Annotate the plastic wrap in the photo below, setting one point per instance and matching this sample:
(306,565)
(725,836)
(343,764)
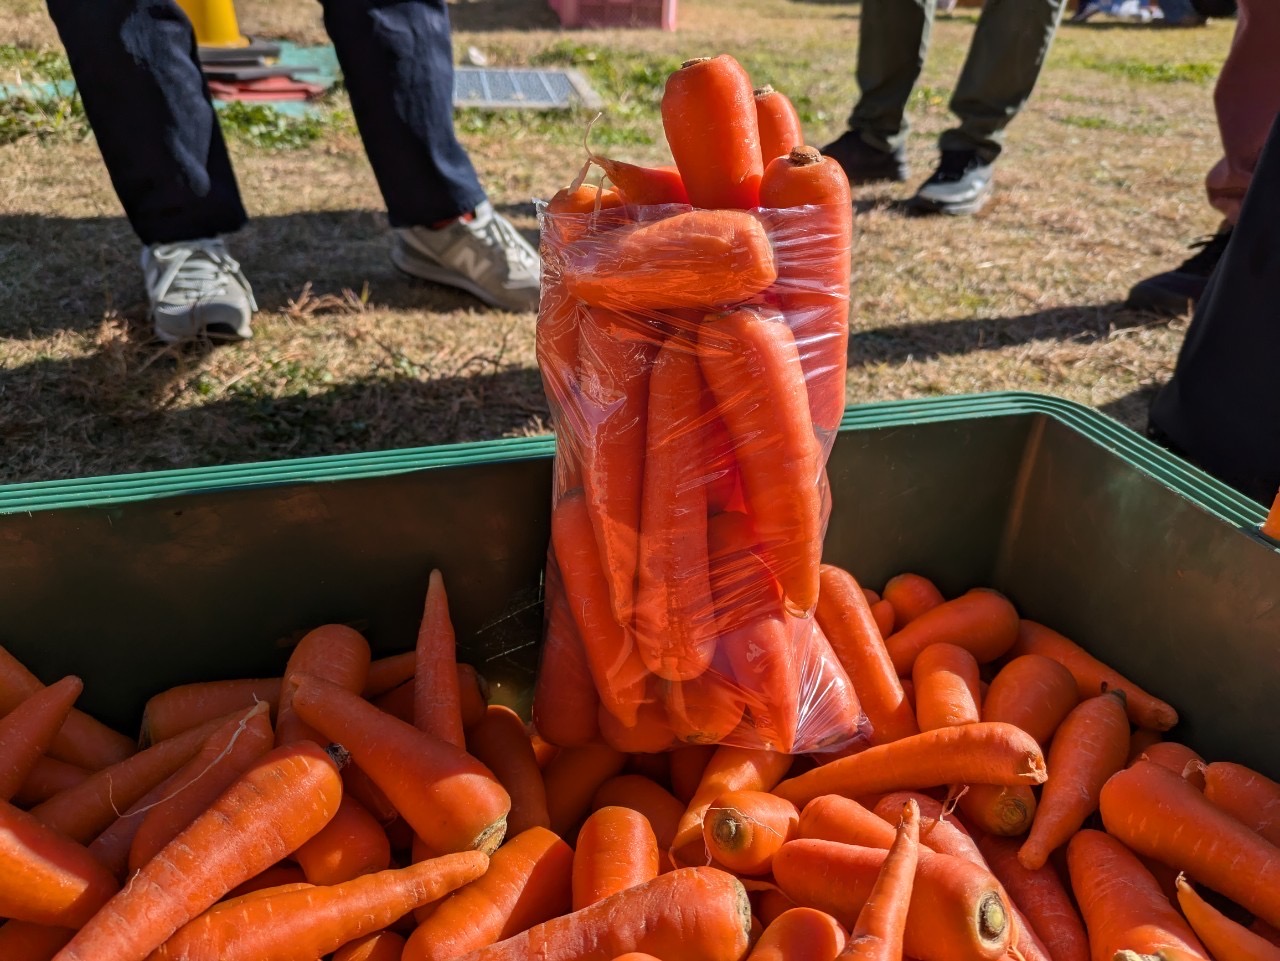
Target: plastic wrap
(694,361)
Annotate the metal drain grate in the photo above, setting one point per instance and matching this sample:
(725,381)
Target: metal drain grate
(521,88)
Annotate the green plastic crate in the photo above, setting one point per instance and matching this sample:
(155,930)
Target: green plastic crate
(139,582)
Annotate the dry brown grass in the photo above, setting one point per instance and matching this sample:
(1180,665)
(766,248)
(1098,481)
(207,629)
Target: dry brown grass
(1101,186)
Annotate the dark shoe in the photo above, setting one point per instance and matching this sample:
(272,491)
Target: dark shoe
(960,185)
(863,163)
(1179,290)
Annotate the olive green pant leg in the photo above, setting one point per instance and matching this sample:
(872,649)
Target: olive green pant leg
(1000,71)
(893,38)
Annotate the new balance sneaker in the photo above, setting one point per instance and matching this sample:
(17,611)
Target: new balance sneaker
(485,256)
(863,163)
(1177,291)
(197,290)
(960,185)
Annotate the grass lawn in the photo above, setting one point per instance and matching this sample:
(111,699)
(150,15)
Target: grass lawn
(1101,185)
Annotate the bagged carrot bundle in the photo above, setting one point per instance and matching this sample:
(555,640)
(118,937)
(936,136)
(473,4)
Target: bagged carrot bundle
(692,342)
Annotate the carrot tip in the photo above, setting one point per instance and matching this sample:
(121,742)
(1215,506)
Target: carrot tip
(804,157)
(339,755)
(763,91)
(694,62)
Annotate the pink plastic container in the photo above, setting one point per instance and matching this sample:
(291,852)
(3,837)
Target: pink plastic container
(650,14)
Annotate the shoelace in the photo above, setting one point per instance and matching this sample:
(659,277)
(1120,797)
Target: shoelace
(498,232)
(199,268)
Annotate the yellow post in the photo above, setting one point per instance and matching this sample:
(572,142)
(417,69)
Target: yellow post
(214,22)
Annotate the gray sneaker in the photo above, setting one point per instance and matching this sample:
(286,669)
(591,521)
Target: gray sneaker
(197,290)
(960,185)
(484,256)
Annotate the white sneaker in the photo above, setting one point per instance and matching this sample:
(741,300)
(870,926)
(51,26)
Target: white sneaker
(197,290)
(485,256)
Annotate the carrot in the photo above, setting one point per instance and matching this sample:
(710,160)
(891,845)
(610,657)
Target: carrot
(983,622)
(1157,813)
(778,123)
(276,876)
(1246,795)
(957,910)
(82,741)
(847,620)
(1090,674)
(1271,526)
(572,778)
(529,880)
(1090,746)
(910,596)
(643,185)
(46,878)
(769,904)
(27,731)
(616,850)
(778,453)
(659,807)
(1034,693)
(743,830)
(1040,895)
(565,701)
(1123,907)
(333,652)
(24,941)
(174,803)
(835,818)
(352,844)
(674,613)
(636,956)
(452,801)
(611,650)
(86,810)
(501,744)
(946,682)
(47,778)
(709,117)
(311,922)
(543,749)
(1178,758)
(1139,740)
(689,913)
(383,946)
(1225,939)
(882,612)
(1004,810)
(688,764)
(800,934)
(653,767)
(704,710)
(387,673)
(1265,931)
(436,702)
(186,706)
(650,732)
(982,753)
(730,769)
(878,933)
(473,695)
(832,718)
(361,787)
(283,800)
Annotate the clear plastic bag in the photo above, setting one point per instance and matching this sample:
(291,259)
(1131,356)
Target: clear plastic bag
(694,363)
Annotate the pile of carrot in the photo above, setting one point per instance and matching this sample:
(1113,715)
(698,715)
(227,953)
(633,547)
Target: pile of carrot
(692,340)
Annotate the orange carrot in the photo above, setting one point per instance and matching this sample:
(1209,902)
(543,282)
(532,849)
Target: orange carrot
(832,718)
(709,117)
(660,808)
(1265,931)
(777,451)
(543,749)
(688,763)
(1139,740)
(704,710)
(689,913)
(946,682)
(982,753)
(452,801)
(352,844)
(27,731)
(361,787)
(674,613)
(1246,795)
(383,946)
(572,778)
(1032,692)
(957,910)
(1271,526)
(501,744)
(911,595)
(86,810)
(387,673)
(47,778)
(276,876)
(878,933)
(186,706)
(82,741)
(1040,895)
(847,620)
(730,769)
(398,702)
(769,903)
(835,818)
(1225,939)
(24,941)
(743,830)
(311,922)
(565,701)
(1178,758)
(333,652)
(436,708)
(650,732)
(983,622)
(705,259)
(779,125)
(800,934)
(1003,810)
(643,185)
(473,695)
(1157,813)
(1090,746)
(1091,674)
(1123,906)
(882,612)
(616,850)
(46,878)
(283,800)
(529,880)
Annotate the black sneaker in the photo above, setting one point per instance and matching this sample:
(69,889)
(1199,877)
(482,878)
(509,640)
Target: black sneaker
(1179,290)
(863,163)
(960,185)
